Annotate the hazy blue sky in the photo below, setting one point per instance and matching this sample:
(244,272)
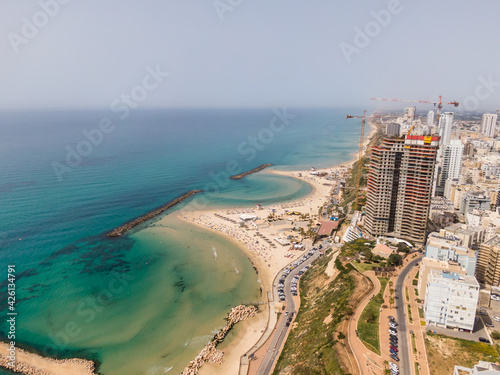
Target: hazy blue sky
(252,53)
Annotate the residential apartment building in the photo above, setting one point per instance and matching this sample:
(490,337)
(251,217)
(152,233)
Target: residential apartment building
(488,262)
(449,249)
(400,185)
(489,124)
(451,300)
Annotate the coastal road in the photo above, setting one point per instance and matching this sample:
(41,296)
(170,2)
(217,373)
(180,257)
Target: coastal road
(404,363)
(280,334)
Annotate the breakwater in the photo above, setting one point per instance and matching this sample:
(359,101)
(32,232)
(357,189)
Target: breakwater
(126,227)
(259,168)
(209,353)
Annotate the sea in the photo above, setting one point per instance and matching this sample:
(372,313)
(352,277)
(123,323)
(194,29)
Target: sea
(141,303)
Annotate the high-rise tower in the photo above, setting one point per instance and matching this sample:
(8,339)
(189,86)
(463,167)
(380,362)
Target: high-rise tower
(489,124)
(445,124)
(400,185)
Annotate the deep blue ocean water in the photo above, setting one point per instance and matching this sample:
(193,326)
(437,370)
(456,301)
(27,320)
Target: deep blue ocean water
(130,303)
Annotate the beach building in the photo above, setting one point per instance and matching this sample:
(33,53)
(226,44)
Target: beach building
(449,249)
(400,185)
(488,262)
(451,300)
(382,250)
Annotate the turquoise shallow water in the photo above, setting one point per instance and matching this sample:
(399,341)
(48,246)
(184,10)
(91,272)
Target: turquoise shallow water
(140,304)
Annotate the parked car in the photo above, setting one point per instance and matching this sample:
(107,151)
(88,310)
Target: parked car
(393,365)
(394,347)
(393,351)
(496,318)
(484,313)
(395,357)
(392,332)
(482,339)
(495,298)
(490,325)
(393,325)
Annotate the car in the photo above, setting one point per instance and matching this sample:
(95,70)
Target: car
(495,298)
(287,324)
(395,357)
(393,351)
(482,339)
(391,317)
(392,325)
(393,339)
(394,347)
(392,332)
(393,336)
(484,313)
(490,325)
(495,318)
(393,365)
(286,312)
(282,298)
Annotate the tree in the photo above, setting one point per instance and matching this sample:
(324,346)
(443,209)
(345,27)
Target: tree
(394,259)
(495,335)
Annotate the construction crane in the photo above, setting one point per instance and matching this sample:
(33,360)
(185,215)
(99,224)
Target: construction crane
(439,103)
(360,156)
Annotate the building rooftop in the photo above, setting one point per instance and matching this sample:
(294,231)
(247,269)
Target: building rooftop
(453,276)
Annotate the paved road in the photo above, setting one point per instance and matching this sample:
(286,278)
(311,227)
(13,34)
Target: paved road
(403,335)
(281,329)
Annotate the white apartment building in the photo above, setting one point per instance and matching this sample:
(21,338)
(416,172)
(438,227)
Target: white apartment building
(451,163)
(489,124)
(445,125)
(451,300)
(430,118)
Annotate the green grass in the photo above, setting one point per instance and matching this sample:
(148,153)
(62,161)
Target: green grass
(417,366)
(416,276)
(362,267)
(410,318)
(421,313)
(310,347)
(407,294)
(368,325)
(414,282)
(414,344)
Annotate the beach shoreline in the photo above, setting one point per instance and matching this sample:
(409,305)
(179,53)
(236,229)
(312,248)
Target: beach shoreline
(250,331)
(266,265)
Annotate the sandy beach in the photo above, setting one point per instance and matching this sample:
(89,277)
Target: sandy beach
(259,242)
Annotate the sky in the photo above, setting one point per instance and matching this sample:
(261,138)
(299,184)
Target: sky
(84,54)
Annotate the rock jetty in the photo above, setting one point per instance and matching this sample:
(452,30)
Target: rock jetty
(126,227)
(209,353)
(259,168)
(23,366)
